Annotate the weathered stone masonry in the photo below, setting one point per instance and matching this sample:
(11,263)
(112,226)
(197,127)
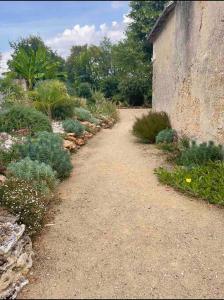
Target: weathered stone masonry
(188,68)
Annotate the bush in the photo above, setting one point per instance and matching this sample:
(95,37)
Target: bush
(109,86)
(51,97)
(166,136)
(48,148)
(84,90)
(21,198)
(6,156)
(74,126)
(42,177)
(205,181)
(82,114)
(200,154)
(103,107)
(148,126)
(134,89)
(18,117)
(62,109)
(11,90)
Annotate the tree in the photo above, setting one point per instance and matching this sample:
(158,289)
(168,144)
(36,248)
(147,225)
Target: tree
(143,15)
(32,60)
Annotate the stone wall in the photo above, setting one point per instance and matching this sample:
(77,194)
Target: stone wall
(15,257)
(188,69)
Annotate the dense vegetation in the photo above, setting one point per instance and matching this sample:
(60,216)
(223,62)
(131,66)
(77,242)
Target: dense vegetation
(122,71)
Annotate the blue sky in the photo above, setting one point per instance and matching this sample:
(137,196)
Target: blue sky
(61,23)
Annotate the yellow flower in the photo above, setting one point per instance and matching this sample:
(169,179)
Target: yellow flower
(188,180)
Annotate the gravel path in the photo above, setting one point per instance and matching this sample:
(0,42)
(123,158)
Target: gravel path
(118,233)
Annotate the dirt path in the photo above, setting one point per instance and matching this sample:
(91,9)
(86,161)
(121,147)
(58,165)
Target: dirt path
(120,234)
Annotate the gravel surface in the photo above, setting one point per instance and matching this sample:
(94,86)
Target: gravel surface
(118,233)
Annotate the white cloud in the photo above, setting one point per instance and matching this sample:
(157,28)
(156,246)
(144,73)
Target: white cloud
(79,35)
(117,4)
(5,56)
(87,34)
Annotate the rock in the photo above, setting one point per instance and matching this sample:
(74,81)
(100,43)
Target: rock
(80,142)
(88,135)
(70,138)
(15,259)
(2,179)
(71,134)
(9,235)
(70,145)
(57,127)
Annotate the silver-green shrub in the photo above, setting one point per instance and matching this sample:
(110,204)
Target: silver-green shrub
(48,148)
(39,174)
(73,126)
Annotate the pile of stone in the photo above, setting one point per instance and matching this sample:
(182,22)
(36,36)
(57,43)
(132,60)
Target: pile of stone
(15,257)
(107,122)
(93,128)
(72,142)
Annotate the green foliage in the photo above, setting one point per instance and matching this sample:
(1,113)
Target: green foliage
(22,199)
(143,15)
(200,154)
(168,147)
(109,86)
(33,61)
(166,136)
(11,90)
(134,89)
(48,148)
(206,181)
(82,114)
(148,126)
(84,90)
(39,174)
(73,126)
(62,109)
(18,116)
(9,155)
(103,107)
(52,98)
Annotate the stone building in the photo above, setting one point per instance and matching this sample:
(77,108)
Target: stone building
(188,67)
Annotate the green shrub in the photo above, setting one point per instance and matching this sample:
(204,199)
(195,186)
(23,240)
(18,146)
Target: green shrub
(103,107)
(51,97)
(6,156)
(73,126)
(42,177)
(166,136)
(206,181)
(167,147)
(84,90)
(109,86)
(11,90)
(134,89)
(148,126)
(62,109)
(200,154)
(82,114)
(18,117)
(21,199)
(48,148)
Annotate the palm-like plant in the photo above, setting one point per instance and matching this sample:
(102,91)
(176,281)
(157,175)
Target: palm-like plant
(32,65)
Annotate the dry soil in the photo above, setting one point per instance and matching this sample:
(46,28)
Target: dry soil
(118,233)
